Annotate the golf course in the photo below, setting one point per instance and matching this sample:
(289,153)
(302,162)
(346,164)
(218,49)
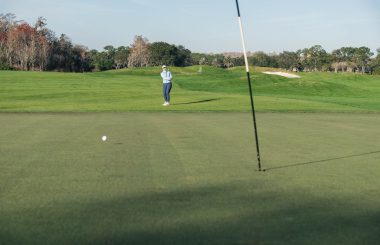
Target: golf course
(187,173)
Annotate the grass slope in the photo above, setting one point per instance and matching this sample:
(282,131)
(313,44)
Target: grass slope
(212,90)
(189,178)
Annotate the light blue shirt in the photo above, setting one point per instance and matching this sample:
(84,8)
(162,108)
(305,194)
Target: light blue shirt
(166,76)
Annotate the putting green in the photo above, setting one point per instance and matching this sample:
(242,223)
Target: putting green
(189,178)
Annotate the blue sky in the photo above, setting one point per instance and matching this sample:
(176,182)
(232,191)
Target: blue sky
(209,25)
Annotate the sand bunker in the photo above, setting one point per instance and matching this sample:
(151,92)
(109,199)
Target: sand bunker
(283,74)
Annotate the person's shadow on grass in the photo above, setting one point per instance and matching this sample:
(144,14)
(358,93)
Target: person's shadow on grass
(194,102)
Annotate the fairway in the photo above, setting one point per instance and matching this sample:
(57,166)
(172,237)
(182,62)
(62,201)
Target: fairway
(189,178)
(215,89)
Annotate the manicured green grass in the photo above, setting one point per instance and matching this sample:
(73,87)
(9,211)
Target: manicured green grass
(189,178)
(213,90)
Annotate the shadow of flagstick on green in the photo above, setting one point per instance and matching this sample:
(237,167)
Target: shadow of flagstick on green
(322,161)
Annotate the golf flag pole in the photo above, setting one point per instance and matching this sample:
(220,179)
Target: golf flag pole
(250,87)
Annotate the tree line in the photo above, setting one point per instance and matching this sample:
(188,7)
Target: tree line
(35,47)
(315,58)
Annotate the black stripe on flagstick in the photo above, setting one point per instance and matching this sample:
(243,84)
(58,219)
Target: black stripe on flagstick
(237,6)
(254,122)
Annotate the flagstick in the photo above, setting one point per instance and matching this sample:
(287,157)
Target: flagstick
(250,87)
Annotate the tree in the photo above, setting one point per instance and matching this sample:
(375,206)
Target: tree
(139,52)
(314,58)
(162,53)
(290,61)
(343,59)
(81,61)
(7,22)
(22,42)
(60,59)
(238,61)
(43,44)
(217,60)
(108,57)
(93,56)
(165,53)
(362,57)
(45,50)
(198,59)
(375,64)
(183,56)
(102,61)
(121,57)
(228,62)
(259,59)
(343,54)
(262,59)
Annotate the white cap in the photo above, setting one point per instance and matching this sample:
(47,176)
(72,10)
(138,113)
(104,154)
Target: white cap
(164,66)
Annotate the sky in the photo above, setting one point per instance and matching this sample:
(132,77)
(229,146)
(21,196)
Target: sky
(209,26)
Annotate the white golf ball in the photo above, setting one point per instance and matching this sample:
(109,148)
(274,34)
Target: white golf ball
(104,138)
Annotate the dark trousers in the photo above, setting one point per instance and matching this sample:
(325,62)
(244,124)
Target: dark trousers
(166,91)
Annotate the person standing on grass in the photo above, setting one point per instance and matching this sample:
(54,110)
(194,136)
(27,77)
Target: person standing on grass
(167,84)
